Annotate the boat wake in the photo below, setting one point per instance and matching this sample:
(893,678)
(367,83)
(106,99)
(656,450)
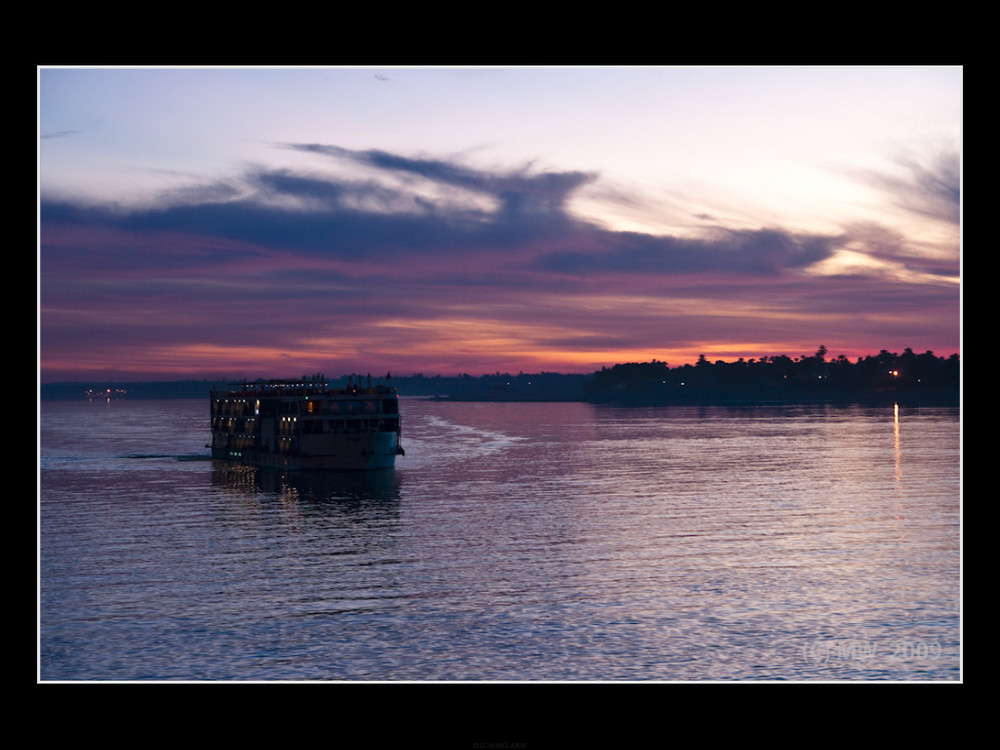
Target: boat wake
(52,462)
(444,438)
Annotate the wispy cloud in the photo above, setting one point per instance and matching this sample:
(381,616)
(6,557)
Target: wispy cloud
(58,134)
(931,187)
(294,260)
(352,218)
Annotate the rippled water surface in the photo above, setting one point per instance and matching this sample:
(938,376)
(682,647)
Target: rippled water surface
(512,542)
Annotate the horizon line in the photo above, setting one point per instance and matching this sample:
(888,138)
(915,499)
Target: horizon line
(226,378)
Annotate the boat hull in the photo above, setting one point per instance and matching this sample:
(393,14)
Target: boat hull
(362,452)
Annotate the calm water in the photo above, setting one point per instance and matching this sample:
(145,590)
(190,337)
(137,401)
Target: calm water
(512,542)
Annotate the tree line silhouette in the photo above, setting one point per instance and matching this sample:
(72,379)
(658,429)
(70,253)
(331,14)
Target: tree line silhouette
(881,376)
(924,378)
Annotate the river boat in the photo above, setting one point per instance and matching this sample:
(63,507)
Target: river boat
(306,424)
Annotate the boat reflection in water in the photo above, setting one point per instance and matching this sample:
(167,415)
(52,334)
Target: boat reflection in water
(342,488)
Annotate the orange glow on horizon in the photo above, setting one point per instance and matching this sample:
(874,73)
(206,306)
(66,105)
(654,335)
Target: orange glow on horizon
(454,343)
(220,362)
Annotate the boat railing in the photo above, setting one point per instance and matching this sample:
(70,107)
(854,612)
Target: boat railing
(298,388)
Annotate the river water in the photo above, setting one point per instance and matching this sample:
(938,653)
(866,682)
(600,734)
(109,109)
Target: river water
(513,542)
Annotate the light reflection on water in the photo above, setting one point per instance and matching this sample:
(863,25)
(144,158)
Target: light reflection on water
(512,542)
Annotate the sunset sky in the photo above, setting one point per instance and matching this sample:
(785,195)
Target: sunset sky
(232,222)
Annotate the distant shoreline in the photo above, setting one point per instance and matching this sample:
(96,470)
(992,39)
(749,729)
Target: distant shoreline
(196,390)
(883,378)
